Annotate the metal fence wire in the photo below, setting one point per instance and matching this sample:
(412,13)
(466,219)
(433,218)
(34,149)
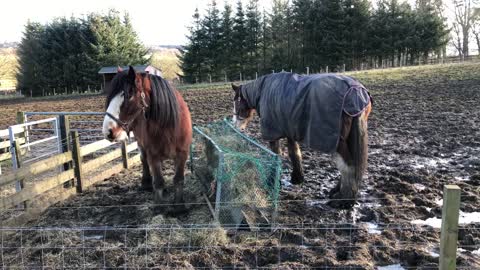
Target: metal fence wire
(240,175)
(196,246)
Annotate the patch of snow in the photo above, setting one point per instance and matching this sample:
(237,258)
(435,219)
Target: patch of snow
(429,209)
(462,178)
(433,253)
(430,162)
(419,187)
(373,228)
(465,218)
(432,222)
(286,182)
(418,166)
(391,267)
(315,202)
(95,237)
(372,205)
(476,252)
(355,213)
(439,202)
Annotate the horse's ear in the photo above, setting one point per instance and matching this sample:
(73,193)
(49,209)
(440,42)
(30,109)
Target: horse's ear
(131,74)
(235,87)
(119,69)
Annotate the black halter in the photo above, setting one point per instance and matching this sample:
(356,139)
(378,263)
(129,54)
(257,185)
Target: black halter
(126,125)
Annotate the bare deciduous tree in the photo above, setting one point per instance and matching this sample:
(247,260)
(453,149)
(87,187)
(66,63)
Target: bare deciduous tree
(464,13)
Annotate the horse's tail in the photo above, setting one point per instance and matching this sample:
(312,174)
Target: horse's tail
(352,155)
(358,145)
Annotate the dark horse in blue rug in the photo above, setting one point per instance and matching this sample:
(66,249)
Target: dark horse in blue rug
(326,112)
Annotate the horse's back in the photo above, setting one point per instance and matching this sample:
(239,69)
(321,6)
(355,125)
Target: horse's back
(309,108)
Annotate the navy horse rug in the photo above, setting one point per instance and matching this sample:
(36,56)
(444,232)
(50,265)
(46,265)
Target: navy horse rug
(306,108)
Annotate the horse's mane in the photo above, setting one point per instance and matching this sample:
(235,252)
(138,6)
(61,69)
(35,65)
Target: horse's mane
(163,107)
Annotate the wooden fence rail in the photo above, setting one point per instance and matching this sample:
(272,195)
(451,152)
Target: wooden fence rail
(5,140)
(78,172)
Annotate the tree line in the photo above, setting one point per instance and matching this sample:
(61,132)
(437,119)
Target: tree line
(293,35)
(67,53)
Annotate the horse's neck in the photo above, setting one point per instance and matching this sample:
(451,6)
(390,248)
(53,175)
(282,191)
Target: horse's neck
(252,94)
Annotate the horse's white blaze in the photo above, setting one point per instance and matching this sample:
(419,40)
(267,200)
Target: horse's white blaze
(113,109)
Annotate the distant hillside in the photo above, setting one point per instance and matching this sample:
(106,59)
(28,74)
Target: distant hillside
(166,58)
(161,47)
(7,44)
(8,68)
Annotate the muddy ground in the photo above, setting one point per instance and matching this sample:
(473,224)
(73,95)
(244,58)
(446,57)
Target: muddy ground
(424,133)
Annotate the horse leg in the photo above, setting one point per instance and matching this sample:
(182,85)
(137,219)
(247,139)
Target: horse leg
(147,183)
(275,146)
(295,155)
(178,179)
(158,180)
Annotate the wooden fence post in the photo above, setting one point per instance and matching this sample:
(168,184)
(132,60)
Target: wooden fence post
(449,235)
(64,124)
(77,159)
(21,120)
(124,154)
(19,185)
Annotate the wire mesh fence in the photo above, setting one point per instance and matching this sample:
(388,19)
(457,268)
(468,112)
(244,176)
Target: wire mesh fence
(241,176)
(170,244)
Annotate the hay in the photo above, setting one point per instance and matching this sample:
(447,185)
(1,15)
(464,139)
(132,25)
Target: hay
(210,237)
(247,190)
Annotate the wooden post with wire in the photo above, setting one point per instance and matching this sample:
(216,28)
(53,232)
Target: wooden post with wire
(449,234)
(124,154)
(64,125)
(77,160)
(20,184)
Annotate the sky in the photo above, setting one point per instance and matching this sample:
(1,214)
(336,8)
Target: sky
(160,22)
(157,22)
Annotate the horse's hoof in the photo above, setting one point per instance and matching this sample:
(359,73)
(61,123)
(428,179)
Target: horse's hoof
(146,188)
(179,209)
(158,209)
(297,180)
(341,204)
(338,202)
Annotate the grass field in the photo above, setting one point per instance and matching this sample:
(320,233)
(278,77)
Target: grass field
(423,134)
(8,67)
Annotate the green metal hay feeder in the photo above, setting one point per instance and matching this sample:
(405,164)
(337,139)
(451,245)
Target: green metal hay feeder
(239,175)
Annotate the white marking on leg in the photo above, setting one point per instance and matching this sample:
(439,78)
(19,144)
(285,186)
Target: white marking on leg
(341,164)
(234,118)
(113,109)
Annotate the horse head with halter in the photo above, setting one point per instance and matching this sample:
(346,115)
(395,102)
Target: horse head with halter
(127,100)
(242,112)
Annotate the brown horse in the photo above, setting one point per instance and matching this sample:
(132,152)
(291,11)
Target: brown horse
(326,112)
(160,120)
